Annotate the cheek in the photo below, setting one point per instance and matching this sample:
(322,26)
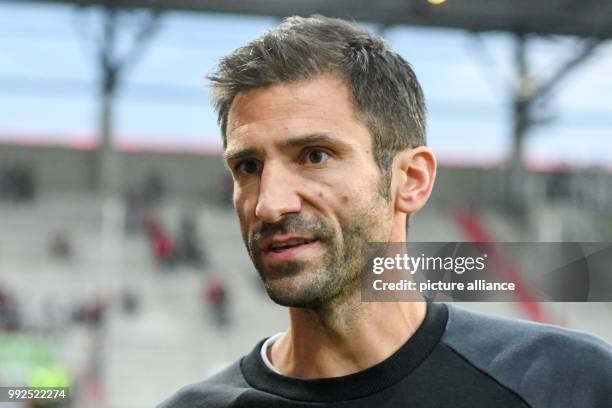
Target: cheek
(357,197)
(239,199)
(243,216)
(242,195)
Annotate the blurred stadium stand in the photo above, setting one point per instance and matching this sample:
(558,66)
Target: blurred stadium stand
(83,290)
(171,338)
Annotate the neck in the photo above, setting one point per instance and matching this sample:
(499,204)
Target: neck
(343,339)
(346,335)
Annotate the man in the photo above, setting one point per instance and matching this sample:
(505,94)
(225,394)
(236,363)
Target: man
(324,133)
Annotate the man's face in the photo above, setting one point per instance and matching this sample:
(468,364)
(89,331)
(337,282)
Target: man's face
(306,188)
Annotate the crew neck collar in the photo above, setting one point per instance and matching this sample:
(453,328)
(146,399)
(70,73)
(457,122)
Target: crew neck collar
(358,385)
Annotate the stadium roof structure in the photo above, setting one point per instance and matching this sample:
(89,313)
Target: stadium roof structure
(589,21)
(582,18)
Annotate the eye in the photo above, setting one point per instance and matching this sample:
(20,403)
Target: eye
(316,156)
(248,166)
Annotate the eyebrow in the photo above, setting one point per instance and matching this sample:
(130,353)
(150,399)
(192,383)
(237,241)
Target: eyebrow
(305,140)
(239,154)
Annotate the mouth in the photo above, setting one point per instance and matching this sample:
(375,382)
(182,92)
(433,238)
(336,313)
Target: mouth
(280,247)
(289,249)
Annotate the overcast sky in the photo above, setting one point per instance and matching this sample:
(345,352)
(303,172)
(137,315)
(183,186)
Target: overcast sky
(48,86)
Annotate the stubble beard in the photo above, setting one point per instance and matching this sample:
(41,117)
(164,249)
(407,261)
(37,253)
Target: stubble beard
(331,280)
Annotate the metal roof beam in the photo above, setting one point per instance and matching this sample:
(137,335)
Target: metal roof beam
(588,18)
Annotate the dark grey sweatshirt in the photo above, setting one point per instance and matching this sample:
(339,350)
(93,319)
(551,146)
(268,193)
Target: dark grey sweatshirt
(457,358)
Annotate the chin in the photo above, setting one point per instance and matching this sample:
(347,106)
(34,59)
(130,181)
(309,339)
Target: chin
(295,301)
(289,292)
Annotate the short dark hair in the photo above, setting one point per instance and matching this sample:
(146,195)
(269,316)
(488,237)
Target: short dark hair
(385,90)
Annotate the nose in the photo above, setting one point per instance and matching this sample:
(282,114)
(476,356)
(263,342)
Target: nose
(277,194)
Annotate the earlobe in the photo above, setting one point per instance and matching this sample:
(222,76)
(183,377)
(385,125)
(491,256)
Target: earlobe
(414,174)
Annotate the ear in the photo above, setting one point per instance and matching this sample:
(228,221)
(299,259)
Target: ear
(414,174)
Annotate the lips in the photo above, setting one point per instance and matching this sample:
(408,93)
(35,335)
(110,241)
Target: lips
(282,244)
(279,246)
(286,250)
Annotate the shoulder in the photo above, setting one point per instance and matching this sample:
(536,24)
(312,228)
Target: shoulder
(492,334)
(547,365)
(218,391)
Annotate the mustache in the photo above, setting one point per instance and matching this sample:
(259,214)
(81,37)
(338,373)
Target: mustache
(290,224)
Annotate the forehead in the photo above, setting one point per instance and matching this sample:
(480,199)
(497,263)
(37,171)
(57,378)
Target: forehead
(323,104)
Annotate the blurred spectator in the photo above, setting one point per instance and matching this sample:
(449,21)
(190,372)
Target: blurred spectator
(17,183)
(60,246)
(215,296)
(10,318)
(154,188)
(129,302)
(163,245)
(91,313)
(189,247)
(164,248)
